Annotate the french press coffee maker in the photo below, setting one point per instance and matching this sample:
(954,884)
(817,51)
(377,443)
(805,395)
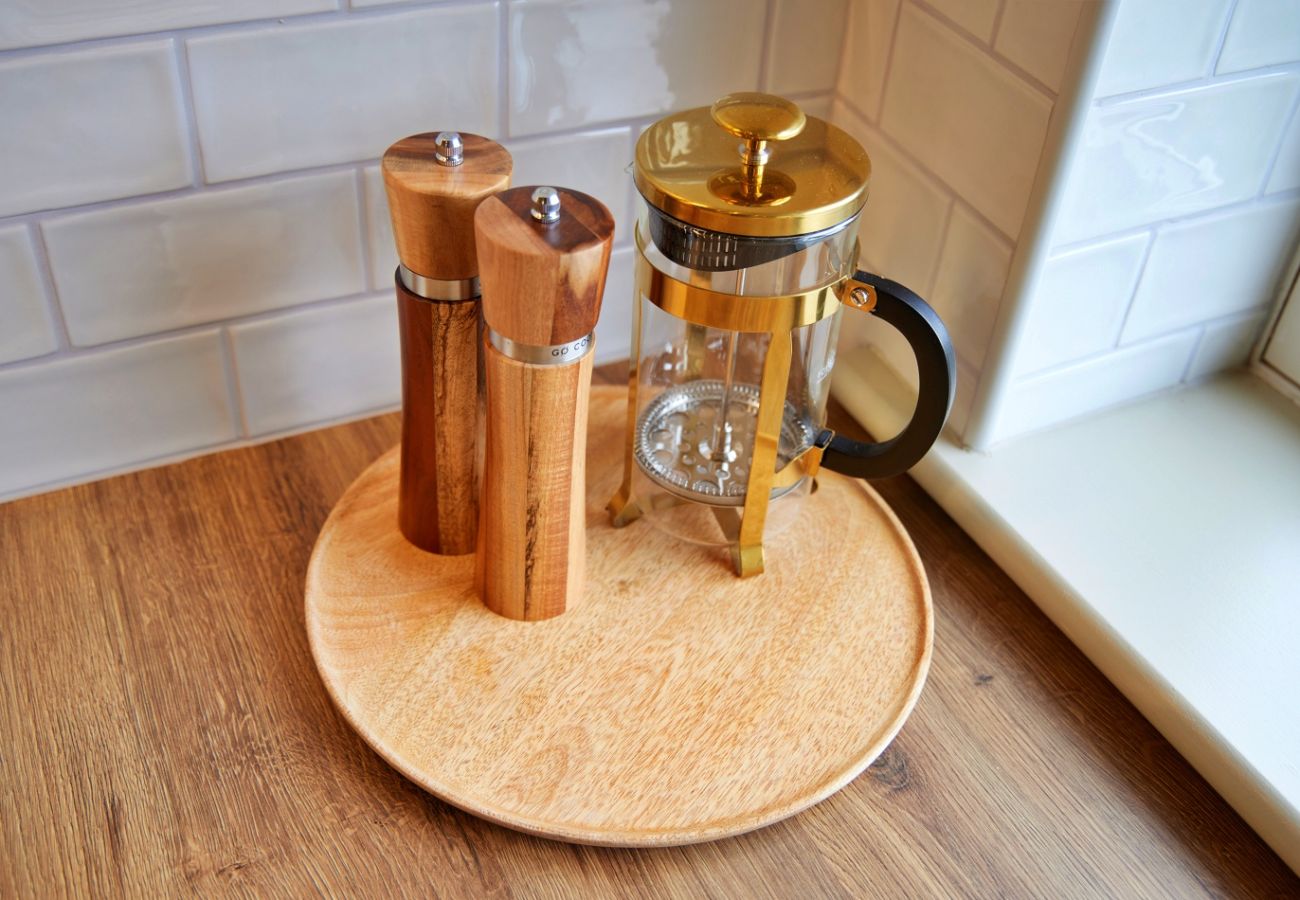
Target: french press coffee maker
(746,255)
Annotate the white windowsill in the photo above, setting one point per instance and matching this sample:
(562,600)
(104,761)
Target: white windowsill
(1163,538)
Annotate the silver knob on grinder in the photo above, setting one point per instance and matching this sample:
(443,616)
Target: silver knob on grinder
(448,148)
(546,204)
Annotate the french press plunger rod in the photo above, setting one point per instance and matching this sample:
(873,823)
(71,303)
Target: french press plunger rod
(745,257)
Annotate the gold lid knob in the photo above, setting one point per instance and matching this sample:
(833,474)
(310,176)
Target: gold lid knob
(752,116)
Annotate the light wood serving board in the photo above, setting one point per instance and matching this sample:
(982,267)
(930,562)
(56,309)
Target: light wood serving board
(676,704)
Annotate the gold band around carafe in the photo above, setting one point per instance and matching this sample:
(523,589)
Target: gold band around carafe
(736,312)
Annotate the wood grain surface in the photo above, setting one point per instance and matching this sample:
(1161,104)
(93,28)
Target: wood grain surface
(677,704)
(438,497)
(543,283)
(533,532)
(163,731)
(432,206)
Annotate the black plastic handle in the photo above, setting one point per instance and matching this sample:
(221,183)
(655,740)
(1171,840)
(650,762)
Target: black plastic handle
(936,364)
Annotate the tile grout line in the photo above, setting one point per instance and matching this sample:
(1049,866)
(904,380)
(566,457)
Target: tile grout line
(234,388)
(1289,121)
(1222,38)
(768,46)
(363,227)
(1191,84)
(1153,232)
(53,308)
(889,66)
(181,58)
(503,68)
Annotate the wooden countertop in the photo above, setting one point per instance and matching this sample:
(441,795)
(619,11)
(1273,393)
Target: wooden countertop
(163,731)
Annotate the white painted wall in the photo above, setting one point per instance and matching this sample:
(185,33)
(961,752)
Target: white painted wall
(194,245)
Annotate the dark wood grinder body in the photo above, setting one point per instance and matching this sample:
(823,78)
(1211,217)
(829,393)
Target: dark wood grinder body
(434,185)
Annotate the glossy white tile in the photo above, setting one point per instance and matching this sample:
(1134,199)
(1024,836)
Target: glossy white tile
(574,64)
(1158,42)
(1262,33)
(133,270)
(1286,170)
(866,55)
(804,54)
(614,329)
(1036,403)
(976,16)
(24,321)
(1226,345)
(270,100)
(90,125)
(967,382)
(73,417)
(1163,156)
(1036,35)
(59,21)
(1079,305)
(1213,266)
(965,117)
(968,286)
(905,216)
(318,364)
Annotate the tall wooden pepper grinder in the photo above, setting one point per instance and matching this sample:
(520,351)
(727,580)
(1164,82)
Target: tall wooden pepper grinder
(434,184)
(543,254)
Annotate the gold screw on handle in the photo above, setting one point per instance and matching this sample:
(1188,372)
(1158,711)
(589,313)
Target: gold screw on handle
(757,119)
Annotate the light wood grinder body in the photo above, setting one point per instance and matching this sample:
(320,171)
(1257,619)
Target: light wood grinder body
(543,255)
(434,185)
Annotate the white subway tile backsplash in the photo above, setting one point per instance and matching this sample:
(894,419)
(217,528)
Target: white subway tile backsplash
(903,222)
(976,16)
(90,125)
(1159,42)
(1079,305)
(595,163)
(968,286)
(24,324)
(866,55)
(614,329)
(1262,33)
(1286,170)
(805,53)
(318,364)
(1213,266)
(1226,345)
(73,417)
(1169,155)
(1126,374)
(290,97)
(965,117)
(580,64)
(147,267)
(31,24)
(1036,35)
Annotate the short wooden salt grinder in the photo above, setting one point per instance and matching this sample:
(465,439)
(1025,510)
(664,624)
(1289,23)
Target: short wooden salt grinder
(543,254)
(434,185)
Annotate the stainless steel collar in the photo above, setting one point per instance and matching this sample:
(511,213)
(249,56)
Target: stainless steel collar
(437,288)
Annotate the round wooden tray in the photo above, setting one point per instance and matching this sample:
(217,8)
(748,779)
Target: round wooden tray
(676,704)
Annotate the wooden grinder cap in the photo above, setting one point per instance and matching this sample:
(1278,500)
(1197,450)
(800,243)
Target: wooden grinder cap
(542,281)
(432,203)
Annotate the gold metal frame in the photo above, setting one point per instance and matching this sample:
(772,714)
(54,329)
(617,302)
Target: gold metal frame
(778,316)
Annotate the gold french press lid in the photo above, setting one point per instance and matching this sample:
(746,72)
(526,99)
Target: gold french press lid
(790,174)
